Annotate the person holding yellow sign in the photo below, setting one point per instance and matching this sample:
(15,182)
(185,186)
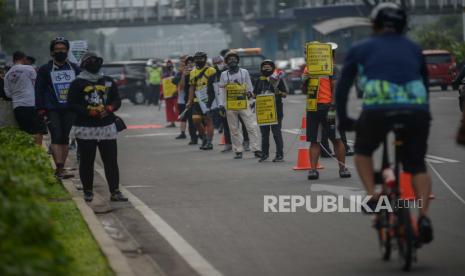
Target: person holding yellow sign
(235,89)
(321,115)
(270,115)
(169,91)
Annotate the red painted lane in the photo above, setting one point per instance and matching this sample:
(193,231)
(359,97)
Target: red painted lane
(149,126)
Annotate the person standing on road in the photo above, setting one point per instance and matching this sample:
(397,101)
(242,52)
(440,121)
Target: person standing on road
(235,89)
(169,92)
(154,80)
(322,119)
(394,79)
(270,83)
(189,66)
(52,87)
(178,80)
(201,98)
(94,98)
(19,86)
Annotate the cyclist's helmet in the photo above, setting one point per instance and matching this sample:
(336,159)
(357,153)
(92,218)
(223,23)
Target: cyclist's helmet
(230,54)
(59,40)
(268,62)
(200,55)
(389,15)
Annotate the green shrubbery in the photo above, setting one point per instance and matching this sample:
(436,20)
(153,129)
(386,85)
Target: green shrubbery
(28,242)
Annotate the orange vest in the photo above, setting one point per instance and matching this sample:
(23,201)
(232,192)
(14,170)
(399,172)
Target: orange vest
(325,92)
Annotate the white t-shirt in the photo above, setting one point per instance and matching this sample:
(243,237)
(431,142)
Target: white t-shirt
(19,85)
(241,77)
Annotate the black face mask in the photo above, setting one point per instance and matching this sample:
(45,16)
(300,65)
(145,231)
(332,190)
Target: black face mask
(200,63)
(233,66)
(60,56)
(267,73)
(93,67)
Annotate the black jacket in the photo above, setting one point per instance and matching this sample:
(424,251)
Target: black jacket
(263,84)
(85,95)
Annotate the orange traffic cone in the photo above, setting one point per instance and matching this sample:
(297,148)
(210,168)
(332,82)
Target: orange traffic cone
(222,140)
(303,128)
(303,160)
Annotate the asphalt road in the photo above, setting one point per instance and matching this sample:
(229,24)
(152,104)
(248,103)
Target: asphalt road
(208,208)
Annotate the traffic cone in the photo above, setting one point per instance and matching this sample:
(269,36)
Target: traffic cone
(222,140)
(406,188)
(303,128)
(303,160)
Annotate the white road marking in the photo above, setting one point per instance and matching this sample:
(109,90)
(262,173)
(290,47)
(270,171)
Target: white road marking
(138,186)
(447,98)
(433,161)
(124,115)
(292,131)
(442,159)
(445,184)
(294,101)
(346,192)
(151,134)
(190,255)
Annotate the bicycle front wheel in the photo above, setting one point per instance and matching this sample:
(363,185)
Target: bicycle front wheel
(405,238)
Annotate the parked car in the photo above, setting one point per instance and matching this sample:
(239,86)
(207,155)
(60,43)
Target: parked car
(442,67)
(294,74)
(130,79)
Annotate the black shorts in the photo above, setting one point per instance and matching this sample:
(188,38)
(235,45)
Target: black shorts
(317,124)
(181,108)
(29,121)
(59,124)
(373,126)
(197,110)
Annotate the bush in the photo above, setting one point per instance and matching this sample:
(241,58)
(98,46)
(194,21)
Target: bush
(28,243)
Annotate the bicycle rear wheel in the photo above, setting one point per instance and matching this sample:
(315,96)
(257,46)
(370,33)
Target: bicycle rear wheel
(405,238)
(384,236)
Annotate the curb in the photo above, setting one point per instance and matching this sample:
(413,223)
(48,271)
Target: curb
(116,259)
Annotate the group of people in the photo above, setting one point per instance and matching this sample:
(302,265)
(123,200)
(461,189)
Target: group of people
(68,100)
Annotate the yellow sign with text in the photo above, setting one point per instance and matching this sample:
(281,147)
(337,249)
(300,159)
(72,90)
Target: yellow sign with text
(169,88)
(265,108)
(319,58)
(312,93)
(236,96)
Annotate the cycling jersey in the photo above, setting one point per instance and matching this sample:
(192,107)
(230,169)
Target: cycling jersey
(392,74)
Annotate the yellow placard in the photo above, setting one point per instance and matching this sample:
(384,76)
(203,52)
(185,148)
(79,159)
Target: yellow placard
(312,93)
(319,58)
(236,96)
(265,108)
(169,88)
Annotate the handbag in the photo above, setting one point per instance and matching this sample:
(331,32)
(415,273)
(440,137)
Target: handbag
(119,123)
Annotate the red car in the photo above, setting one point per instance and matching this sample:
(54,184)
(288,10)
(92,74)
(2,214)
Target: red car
(442,67)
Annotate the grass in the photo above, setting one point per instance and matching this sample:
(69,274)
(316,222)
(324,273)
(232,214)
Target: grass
(75,236)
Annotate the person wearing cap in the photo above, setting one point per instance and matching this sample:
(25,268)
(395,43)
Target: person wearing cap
(94,98)
(201,98)
(51,91)
(235,89)
(394,79)
(169,92)
(321,119)
(271,83)
(19,86)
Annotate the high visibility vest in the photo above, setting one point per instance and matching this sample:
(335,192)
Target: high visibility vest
(154,76)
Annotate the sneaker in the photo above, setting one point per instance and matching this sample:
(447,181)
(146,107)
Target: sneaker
(246,145)
(181,136)
(88,196)
(278,158)
(258,154)
(118,196)
(425,229)
(344,173)
(227,148)
(313,174)
(171,125)
(263,158)
(238,155)
(61,174)
(192,142)
(204,143)
(208,146)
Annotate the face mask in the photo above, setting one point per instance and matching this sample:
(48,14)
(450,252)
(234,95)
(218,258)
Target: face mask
(220,66)
(60,56)
(267,73)
(200,63)
(93,67)
(233,67)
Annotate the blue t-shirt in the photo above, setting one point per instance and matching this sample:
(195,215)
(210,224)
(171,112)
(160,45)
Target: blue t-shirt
(391,72)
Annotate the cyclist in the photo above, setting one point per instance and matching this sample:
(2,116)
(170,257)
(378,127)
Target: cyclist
(51,88)
(201,97)
(393,75)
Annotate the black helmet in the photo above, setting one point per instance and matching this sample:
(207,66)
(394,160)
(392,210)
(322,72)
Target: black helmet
(188,59)
(269,62)
(58,40)
(230,54)
(200,55)
(389,15)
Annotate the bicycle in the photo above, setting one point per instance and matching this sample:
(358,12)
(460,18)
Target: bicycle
(396,228)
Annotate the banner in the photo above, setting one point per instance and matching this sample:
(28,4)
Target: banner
(265,108)
(77,49)
(236,98)
(312,93)
(169,88)
(319,58)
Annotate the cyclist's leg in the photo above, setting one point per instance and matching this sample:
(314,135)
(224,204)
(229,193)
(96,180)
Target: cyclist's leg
(371,130)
